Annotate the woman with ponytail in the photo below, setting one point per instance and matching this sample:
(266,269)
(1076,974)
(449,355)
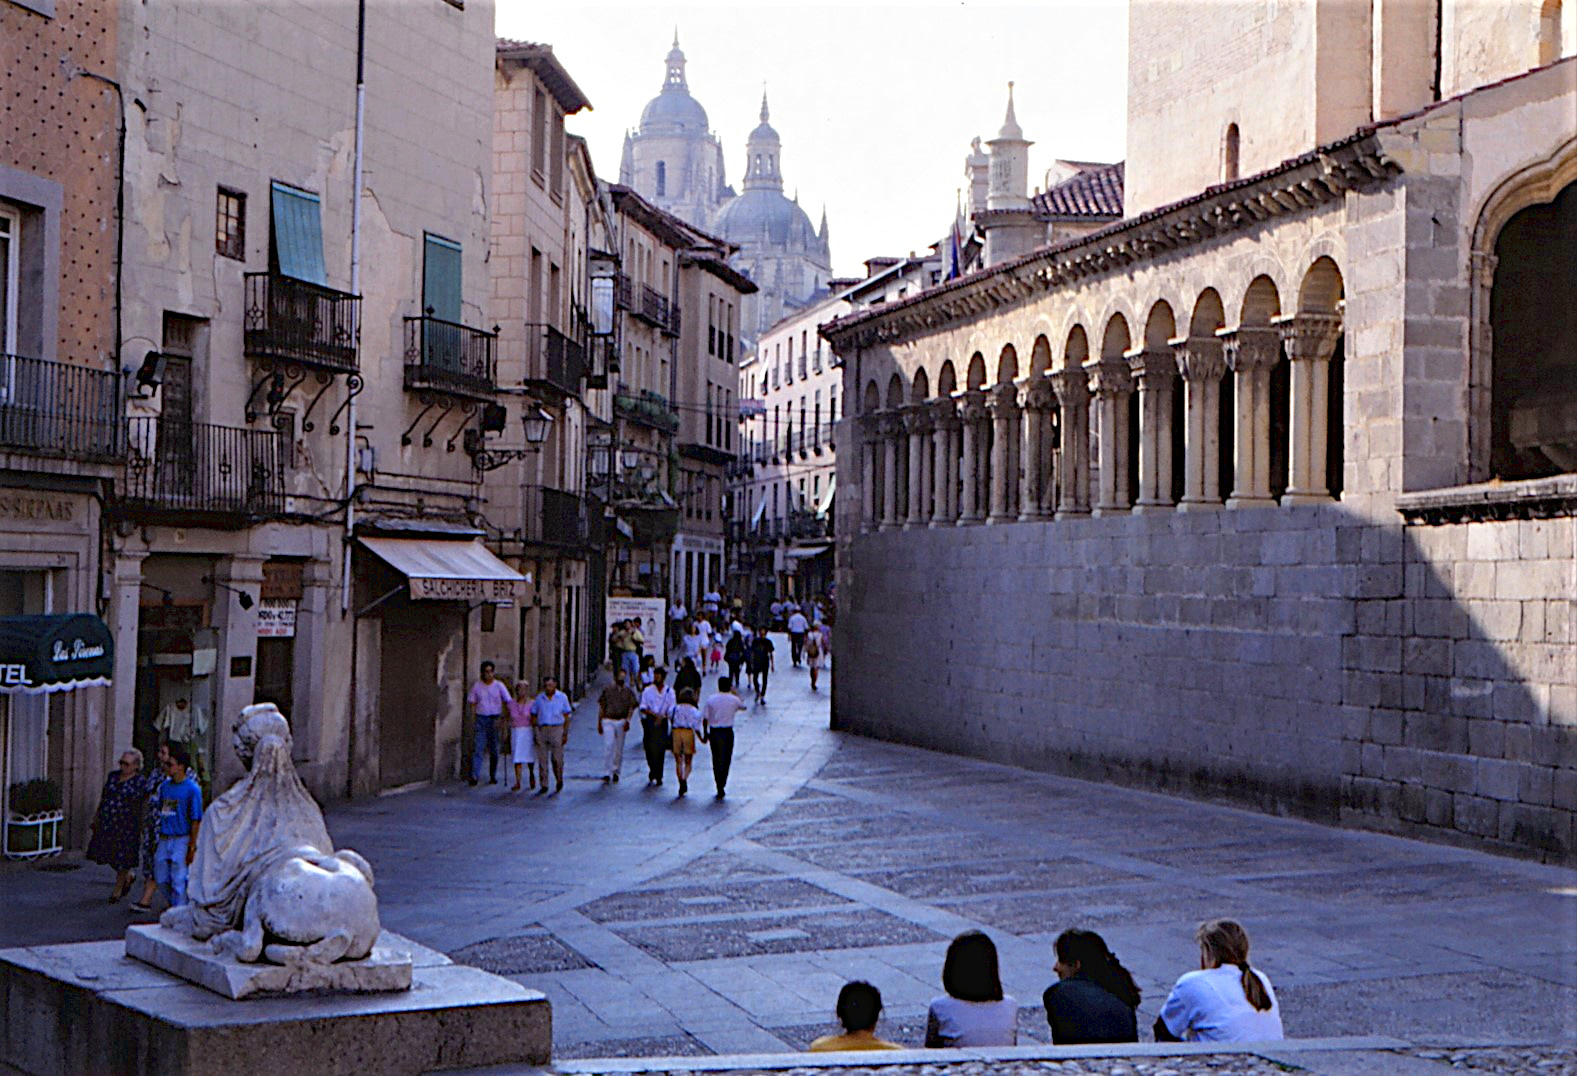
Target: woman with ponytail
(1094,998)
(1226,1000)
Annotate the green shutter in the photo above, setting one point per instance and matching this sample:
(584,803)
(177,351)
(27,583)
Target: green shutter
(441,278)
(298,234)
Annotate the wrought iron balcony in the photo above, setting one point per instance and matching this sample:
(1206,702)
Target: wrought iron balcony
(646,407)
(289,320)
(554,360)
(448,357)
(60,409)
(648,304)
(193,468)
(556,518)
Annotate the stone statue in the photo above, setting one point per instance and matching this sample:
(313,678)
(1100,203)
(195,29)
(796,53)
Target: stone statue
(266,883)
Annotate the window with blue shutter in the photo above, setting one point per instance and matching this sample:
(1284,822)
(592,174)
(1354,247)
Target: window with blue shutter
(441,278)
(298,234)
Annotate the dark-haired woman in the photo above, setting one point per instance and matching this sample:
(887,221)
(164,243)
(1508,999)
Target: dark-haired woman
(1226,1000)
(1094,997)
(974,1011)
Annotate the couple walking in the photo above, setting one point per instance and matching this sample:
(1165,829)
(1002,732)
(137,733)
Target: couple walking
(538,728)
(672,722)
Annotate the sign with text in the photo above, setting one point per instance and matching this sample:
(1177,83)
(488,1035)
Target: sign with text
(652,613)
(467,590)
(276,619)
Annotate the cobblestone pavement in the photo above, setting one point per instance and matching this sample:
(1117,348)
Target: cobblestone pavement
(668,927)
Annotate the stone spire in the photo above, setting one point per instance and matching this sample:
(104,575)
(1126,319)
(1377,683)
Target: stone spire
(675,78)
(1009,164)
(763,154)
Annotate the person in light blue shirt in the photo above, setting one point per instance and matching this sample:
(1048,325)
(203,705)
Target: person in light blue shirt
(551,712)
(180,817)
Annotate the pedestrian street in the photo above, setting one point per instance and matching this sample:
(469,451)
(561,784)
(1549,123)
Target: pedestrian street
(665,926)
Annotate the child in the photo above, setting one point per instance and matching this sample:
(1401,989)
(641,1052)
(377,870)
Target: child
(686,722)
(859,1007)
(180,815)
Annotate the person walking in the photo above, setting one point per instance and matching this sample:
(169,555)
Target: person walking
(630,655)
(703,627)
(688,678)
(180,817)
(677,618)
(686,723)
(522,737)
(150,830)
(797,627)
(657,707)
(550,715)
(734,654)
(117,827)
(488,698)
(762,664)
(813,656)
(614,707)
(717,730)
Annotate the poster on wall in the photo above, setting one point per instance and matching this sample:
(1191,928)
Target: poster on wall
(653,615)
(276,619)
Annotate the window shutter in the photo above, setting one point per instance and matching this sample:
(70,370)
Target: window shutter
(298,234)
(441,278)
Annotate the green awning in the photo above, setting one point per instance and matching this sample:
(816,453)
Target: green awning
(298,234)
(40,654)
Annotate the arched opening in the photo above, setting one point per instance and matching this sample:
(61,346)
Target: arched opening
(946,380)
(1208,318)
(1230,151)
(1040,356)
(894,392)
(1159,327)
(976,378)
(920,391)
(872,400)
(1552,45)
(1533,327)
(1007,366)
(662,179)
(1321,293)
(1076,352)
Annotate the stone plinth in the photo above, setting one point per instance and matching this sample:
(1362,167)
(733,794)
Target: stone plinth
(387,968)
(90,1008)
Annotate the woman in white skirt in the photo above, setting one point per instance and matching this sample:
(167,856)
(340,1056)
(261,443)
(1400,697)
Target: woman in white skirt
(522,735)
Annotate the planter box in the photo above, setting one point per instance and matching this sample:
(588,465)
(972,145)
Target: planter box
(31,836)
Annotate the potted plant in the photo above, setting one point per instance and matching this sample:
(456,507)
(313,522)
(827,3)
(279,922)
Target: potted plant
(34,819)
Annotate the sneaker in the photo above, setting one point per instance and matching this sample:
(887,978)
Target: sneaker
(615,778)
(684,787)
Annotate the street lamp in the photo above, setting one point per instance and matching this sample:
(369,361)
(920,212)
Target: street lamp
(536,422)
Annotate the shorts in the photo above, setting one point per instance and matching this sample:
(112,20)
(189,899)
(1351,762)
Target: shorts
(684,741)
(522,738)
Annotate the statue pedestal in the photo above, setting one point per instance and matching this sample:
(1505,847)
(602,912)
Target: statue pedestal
(387,968)
(91,1008)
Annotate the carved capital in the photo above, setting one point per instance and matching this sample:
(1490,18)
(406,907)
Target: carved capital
(1152,369)
(1200,358)
(1109,378)
(916,420)
(1002,401)
(972,406)
(944,413)
(1310,337)
(889,424)
(1036,394)
(1071,386)
(1251,348)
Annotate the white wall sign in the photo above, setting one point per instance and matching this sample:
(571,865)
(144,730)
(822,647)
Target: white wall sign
(276,619)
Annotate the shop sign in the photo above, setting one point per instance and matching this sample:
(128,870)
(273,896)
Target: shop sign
(470,590)
(54,653)
(281,580)
(35,507)
(276,619)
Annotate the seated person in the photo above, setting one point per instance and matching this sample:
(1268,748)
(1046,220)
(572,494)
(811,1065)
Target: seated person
(1226,1000)
(974,1011)
(859,1007)
(1094,998)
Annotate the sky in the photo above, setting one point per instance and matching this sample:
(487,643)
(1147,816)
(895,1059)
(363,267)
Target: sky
(876,104)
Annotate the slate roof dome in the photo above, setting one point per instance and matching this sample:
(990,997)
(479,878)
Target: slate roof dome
(765,213)
(674,109)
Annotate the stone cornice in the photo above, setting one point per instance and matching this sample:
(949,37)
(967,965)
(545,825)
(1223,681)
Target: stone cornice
(1300,184)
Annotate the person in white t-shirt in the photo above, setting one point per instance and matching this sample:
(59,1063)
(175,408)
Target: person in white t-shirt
(703,628)
(797,627)
(974,1011)
(1226,1000)
(717,729)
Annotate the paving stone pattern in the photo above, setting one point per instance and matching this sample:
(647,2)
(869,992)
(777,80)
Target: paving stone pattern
(672,927)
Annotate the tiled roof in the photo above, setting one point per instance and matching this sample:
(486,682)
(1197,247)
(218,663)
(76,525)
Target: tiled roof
(1095,192)
(540,59)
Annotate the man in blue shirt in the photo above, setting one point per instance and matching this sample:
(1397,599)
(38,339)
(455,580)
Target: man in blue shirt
(550,713)
(180,815)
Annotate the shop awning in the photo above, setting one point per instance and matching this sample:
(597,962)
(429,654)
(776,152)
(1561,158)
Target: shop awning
(805,552)
(449,571)
(54,653)
(824,505)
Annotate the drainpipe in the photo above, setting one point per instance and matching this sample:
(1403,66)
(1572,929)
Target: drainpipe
(355,287)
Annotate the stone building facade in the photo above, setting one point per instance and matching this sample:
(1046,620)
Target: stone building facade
(1264,492)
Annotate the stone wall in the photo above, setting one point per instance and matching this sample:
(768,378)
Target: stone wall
(1296,660)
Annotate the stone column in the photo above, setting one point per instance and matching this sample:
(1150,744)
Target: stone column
(1250,353)
(972,415)
(236,630)
(1110,384)
(1035,396)
(1155,373)
(1310,340)
(1200,362)
(1073,400)
(892,431)
(1002,404)
(944,463)
(917,424)
(125,612)
(870,446)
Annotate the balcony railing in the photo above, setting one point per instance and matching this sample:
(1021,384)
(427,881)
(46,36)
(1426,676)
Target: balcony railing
(445,356)
(646,407)
(290,320)
(60,409)
(647,303)
(554,359)
(192,467)
(554,517)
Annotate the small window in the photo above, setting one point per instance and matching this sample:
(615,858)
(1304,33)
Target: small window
(1229,154)
(539,134)
(10,235)
(662,179)
(230,224)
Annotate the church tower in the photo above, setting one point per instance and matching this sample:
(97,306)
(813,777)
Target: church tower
(673,159)
(1008,222)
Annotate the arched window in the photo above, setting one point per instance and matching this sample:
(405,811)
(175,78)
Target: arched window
(1229,154)
(662,178)
(1551,47)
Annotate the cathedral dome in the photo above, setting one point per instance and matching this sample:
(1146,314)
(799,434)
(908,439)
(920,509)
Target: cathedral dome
(762,213)
(674,109)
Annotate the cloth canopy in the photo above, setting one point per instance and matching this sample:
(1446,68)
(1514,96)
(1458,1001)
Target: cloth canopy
(445,570)
(39,654)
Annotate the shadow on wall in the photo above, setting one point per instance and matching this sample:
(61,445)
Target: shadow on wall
(1297,660)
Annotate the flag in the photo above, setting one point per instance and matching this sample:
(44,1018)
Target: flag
(955,243)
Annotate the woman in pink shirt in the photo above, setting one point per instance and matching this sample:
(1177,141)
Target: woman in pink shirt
(521,737)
